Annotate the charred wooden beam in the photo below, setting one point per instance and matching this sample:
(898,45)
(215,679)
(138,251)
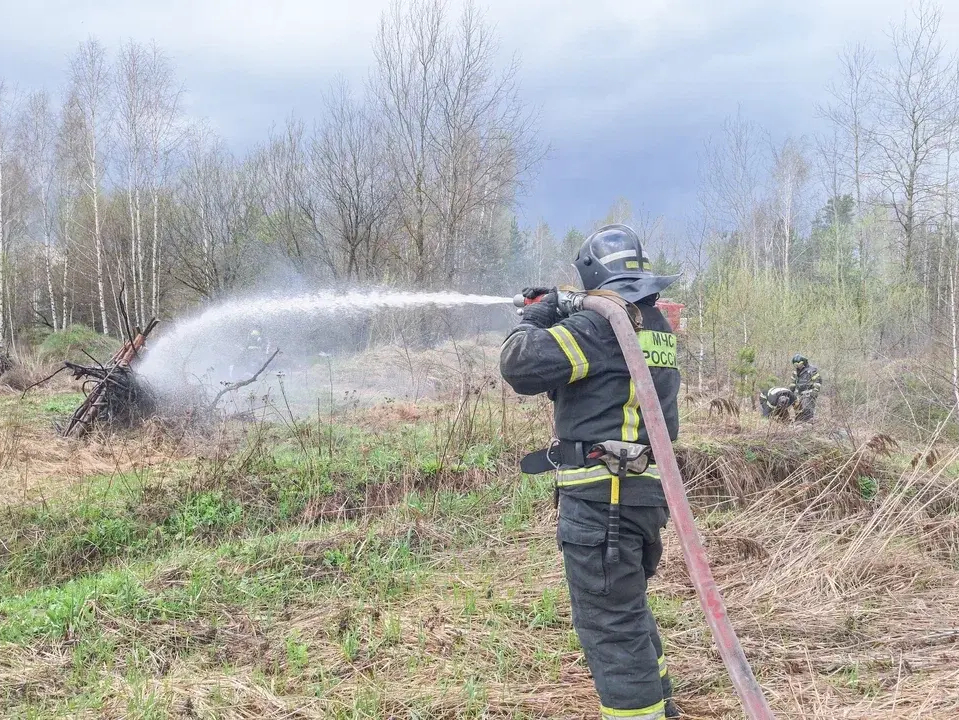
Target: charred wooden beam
(115,388)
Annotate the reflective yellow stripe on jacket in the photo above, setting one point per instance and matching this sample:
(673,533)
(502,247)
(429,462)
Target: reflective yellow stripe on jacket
(652,712)
(573,352)
(569,477)
(631,417)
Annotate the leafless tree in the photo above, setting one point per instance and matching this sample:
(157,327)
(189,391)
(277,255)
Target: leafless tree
(916,112)
(282,166)
(949,263)
(349,162)
(850,112)
(543,248)
(5,112)
(216,218)
(459,138)
(148,103)
(789,177)
(90,101)
(39,148)
(165,135)
(621,211)
(13,210)
(849,151)
(732,164)
(131,97)
(697,265)
(649,227)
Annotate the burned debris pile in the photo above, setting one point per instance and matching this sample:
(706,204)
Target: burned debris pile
(118,397)
(115,395)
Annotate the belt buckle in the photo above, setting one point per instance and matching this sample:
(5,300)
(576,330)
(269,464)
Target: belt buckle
(554,443)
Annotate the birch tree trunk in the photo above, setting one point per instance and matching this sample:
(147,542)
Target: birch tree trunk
(65,318)
(94,186)
(3,235)
(48,258)
(155,257)
(3,220)
(954,317)
(90,98)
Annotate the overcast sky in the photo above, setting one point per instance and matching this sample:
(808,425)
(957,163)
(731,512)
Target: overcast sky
(627,90)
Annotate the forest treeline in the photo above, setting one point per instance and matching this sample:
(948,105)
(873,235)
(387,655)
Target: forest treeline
(841,245)
(112,191)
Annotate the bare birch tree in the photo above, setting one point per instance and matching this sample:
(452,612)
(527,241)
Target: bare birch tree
(132,95)
(5,112)
(916,111)
(621,211)
(217,212)
(13,202)
(39,147)
(850,113)
(789,176)
(164,137)
(281,167)
(90,97)
(460,139)
(731,181)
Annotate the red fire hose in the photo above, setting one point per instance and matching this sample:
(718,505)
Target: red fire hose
(749,691)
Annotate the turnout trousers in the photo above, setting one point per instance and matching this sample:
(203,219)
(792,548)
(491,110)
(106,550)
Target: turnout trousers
(611,614)
(807,408)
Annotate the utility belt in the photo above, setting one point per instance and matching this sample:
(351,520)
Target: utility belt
(578,454)
(581,463)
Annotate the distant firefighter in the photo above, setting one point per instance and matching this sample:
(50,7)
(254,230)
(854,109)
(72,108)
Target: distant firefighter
(256,344)
(806,383)
(775,402)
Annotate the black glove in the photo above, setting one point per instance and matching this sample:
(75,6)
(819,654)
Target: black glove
(544,313)
(531,293)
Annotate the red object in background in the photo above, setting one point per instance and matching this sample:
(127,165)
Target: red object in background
(673,312)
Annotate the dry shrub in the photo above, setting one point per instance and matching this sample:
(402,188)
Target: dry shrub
(32,369)
(723,407)
(846,607)
(930,456)
(19,379)
(735,471)
(882,444)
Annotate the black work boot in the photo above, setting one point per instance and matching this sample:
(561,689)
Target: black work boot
(672,711)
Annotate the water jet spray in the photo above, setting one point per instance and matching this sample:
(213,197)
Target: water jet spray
(189,347)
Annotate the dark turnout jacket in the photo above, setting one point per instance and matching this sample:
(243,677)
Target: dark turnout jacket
(579,364)
(806,380)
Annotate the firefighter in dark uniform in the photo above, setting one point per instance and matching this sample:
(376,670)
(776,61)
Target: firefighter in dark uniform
(254,343)
(252,354)
(577,361)
(806,383)
(775,402)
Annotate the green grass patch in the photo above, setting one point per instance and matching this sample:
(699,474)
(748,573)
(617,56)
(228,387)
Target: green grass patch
(71,343)
(62,404)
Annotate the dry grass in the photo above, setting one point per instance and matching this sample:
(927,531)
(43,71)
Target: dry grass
(839,564)
(846,606)
(35,463)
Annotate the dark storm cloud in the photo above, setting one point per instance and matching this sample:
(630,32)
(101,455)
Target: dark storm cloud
(627,91)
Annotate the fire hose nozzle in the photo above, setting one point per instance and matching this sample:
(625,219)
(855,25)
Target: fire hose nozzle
(569,301)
